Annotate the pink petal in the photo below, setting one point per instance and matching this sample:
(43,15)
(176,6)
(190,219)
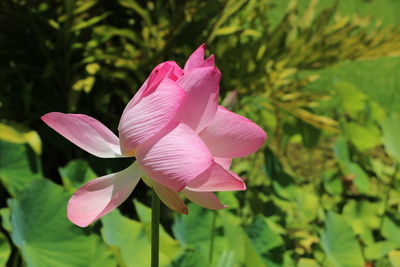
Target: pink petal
(168,69)
(100,196)
(217,178)
(224,162)
(170,198)
(195,59)
(202,87)
(208,62)
(231,135)
(153,114)
(175,159)
(85,132)
(205,199)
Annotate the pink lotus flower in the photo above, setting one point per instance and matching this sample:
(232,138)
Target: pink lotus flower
(182,140)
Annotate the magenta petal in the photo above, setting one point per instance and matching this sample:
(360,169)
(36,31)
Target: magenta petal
(85,132)
(175,159)
(170,198)
(153,114)
(205,199)
(231,135)
(208,62)
(202,88)
(195,59)
(100,196)
(215,179)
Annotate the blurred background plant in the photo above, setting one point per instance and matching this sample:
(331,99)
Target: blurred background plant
(322,78)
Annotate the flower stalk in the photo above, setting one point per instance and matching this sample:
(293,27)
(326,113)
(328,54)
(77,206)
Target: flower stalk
(155,232)
(213,225)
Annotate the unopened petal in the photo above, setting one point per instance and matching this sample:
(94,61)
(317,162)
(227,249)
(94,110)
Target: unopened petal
(153,114)
(232,135)
(100,196)
(195,59)
(175,159)
(208,62)
(168,69)
(205,199)
(215,179)
(85,132)
(202,88)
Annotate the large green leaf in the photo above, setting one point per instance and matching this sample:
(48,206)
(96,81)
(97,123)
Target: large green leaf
(18,166)
(394,258)
(75,174)
(363,136)
(377,78)
(45,237)
(342,153)
(306,262)
(5,219)
(262,236)
(378,250)
(132,242)
(245,253)
(195,229)
(187,229)
(391,140)
(391,230)
(5,250)
(332,182)
(339,243)
(129,237)
(361,179)
(191,257)
(353,100)
(361,215)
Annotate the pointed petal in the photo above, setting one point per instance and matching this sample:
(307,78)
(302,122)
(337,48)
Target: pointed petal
(202,87)
(231,135)
(175,159)
(153,114)
(168,69)
(100,196)
(85,132)
(195,59)
(205,199)
(208,62)
(170,198)
(217,178)
(224,162)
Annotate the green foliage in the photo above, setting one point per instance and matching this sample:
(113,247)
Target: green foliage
(75,174)
(40,229)
(18,166)
(321,77)
(130,239)
(5,250)
(339,243)
(390,139)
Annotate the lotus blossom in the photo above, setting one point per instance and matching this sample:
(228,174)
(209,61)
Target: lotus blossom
(183,141)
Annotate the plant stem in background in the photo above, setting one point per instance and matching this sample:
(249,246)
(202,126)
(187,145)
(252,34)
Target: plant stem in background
(155,221)
(210,255)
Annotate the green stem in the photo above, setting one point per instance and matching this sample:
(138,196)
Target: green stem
(210,255)
(155,221)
